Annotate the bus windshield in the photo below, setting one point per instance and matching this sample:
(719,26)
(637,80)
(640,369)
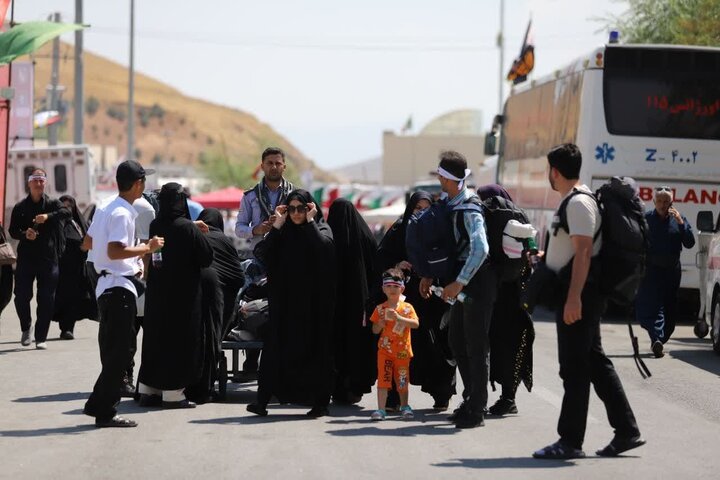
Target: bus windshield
(655,92)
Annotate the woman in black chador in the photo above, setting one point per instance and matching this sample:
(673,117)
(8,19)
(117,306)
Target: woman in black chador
(431,367)
(220,283)
(173,335)
(75,295)
(296,364)
(511,334)
(355,344)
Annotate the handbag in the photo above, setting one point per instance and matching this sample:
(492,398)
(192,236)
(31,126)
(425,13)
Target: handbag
(7,254)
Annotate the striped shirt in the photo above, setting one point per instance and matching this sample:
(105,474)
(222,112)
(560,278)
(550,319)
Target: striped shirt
(475,253)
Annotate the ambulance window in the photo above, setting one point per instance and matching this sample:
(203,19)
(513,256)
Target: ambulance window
(60,178)
(27,171)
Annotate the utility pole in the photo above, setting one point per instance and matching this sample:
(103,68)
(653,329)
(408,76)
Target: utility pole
(78,100)
(501,46)
(131,87)
(53,128)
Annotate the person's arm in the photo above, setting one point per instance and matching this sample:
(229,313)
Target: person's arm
(478,245)
(120,251)
(16,230)
(583,248)
(243,224)
(377,323)
(86,243)
(688,238)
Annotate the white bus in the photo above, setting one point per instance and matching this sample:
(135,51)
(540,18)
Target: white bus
(651,112)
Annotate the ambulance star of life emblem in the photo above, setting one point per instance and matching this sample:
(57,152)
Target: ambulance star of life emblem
(605,153)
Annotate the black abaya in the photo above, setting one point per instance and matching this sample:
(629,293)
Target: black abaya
(173,339)
(296,362)
(355,344)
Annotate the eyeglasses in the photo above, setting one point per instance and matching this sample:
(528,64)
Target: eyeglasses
(298,208)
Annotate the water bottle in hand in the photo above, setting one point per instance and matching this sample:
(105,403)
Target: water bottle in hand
(157,258)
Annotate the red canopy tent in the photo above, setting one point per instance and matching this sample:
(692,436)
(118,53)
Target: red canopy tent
(226,198)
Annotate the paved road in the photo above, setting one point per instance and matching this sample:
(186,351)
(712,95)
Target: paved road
(43,433)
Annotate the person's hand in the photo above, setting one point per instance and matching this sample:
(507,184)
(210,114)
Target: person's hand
(31,234)
(202,226)
(451,290)
(573,310)
(312,211)
(391,315)
(404,265)
(425,284)
(676,215)
(40,219)
(280,217)
(156,243)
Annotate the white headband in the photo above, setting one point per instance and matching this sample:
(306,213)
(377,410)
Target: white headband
(444,173)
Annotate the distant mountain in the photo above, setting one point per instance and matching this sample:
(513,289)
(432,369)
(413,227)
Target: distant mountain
(170,127)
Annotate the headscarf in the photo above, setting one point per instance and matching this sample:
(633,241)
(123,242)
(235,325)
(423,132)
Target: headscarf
(493,190)
(212,218)
(173,202)
(79,219)
(410,208)
(304,197)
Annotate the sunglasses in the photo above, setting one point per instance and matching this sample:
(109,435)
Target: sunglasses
(298,208)
(663,189)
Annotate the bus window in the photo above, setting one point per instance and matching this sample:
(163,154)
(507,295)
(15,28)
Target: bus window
(662,93)
(60,178)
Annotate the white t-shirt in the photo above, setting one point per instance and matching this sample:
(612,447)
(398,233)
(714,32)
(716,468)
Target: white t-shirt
(583,218)
(115,223)
(146,214)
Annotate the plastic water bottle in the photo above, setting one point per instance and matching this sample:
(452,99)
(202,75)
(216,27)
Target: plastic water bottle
(157,258)
(438,291)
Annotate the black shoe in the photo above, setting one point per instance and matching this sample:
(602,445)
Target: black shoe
(150,400)
(463,406)
(67,335)
(441,405)
(503,406)
(318,412)
(127,390)
(620,445)
(116,421)
(181,404)
(257,409)
(657,349)
(469,420)
(558,451)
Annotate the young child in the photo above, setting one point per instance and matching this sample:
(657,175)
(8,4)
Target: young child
(393,319)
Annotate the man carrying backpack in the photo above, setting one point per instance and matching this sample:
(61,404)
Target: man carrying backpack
(570,252)
(469,319)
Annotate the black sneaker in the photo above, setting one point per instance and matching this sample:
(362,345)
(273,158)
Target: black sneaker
(67,335)
(503,406)
(657,349)
(257,409)
(466,419)
(457,411)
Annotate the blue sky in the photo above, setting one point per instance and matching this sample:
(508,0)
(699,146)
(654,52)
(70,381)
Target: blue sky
(331,75)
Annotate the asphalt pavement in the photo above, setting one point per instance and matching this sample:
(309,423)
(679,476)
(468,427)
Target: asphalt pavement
(43,433)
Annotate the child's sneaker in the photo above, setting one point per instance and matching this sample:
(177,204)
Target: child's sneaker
(407,412)
(378,415)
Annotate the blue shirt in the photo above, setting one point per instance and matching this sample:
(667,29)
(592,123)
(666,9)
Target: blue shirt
(250,213)
(667,238)
(475,253)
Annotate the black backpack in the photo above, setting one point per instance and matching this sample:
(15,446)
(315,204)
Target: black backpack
(430,242)
(498,211)
(624,234)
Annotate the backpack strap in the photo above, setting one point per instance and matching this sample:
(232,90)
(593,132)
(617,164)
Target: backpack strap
(562,213)
(470,204)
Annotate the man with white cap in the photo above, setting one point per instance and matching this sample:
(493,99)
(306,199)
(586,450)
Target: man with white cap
(470,319)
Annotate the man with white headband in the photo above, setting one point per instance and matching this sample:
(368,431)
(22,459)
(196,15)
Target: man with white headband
(36,222)
(656,302)
(469,320)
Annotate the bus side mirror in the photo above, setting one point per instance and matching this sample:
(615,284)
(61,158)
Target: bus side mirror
(491,143)
(705,222)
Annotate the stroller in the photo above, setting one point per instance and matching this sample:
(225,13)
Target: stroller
(244,331)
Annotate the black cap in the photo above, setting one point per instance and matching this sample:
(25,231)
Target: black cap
(130,170)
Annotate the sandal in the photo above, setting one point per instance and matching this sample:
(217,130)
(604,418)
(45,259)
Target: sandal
(620,445)
(559,451)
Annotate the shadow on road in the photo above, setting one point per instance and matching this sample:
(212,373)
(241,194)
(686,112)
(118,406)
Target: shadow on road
(705,359)
(55,397)
(42,432)
(253,420)
(409,431)
(506,462)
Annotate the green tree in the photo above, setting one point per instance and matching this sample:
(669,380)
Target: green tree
(224,171)
(680,22)
(92,105)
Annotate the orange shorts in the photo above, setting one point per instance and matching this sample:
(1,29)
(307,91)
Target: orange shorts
(390,366)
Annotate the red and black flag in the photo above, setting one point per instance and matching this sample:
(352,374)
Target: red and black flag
(524,64)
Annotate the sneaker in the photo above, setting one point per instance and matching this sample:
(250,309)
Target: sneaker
(503,406)
(67,335)
(407,412)
(457,411)
(41,346)
(25,340)
(558,451)
(657,349)
(378,415)
(467,419)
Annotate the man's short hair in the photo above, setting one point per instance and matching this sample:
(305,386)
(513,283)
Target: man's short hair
(454,162)
(125,184)
(272,151)
(566,159)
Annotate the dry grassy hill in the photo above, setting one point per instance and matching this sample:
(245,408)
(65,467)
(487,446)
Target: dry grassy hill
(170,127)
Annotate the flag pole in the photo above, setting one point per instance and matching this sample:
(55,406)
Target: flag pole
(500,44)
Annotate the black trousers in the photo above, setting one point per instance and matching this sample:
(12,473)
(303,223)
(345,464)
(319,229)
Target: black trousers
(469,336)
(116,336)
(46,272)
(582,362)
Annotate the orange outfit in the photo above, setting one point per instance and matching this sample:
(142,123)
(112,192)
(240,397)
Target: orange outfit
(394,347)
